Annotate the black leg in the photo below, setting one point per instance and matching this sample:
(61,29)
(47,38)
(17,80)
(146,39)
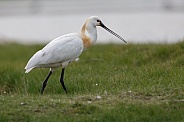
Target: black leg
(45,82)
(62,79)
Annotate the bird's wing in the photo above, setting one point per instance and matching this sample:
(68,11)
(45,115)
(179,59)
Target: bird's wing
(61,49)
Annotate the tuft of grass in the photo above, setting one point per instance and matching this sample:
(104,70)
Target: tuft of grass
(133,82)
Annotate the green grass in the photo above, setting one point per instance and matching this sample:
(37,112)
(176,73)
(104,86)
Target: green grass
(136,82)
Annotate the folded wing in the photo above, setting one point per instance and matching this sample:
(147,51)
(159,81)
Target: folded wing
(62,49)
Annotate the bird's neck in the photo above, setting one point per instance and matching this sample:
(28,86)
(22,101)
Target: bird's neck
(89,31)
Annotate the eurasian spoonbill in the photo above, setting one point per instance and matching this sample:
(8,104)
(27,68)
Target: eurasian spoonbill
(65,49)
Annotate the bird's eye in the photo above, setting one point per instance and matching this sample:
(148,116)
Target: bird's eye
(98,20)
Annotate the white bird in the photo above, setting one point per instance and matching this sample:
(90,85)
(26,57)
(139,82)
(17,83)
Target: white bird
(65,49)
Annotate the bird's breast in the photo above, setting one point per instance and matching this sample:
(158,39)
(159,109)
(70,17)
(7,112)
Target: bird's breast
(86,41)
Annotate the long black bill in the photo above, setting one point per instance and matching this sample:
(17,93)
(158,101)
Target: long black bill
(103,26)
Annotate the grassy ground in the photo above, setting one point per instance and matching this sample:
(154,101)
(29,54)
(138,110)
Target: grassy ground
(108,83)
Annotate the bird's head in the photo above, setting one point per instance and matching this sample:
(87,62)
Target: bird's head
(95,21)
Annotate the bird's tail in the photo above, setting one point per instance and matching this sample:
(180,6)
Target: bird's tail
(32,62)
(29,66)
(28,70)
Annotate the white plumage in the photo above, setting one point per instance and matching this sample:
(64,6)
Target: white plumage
(58,52)
(64,49)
